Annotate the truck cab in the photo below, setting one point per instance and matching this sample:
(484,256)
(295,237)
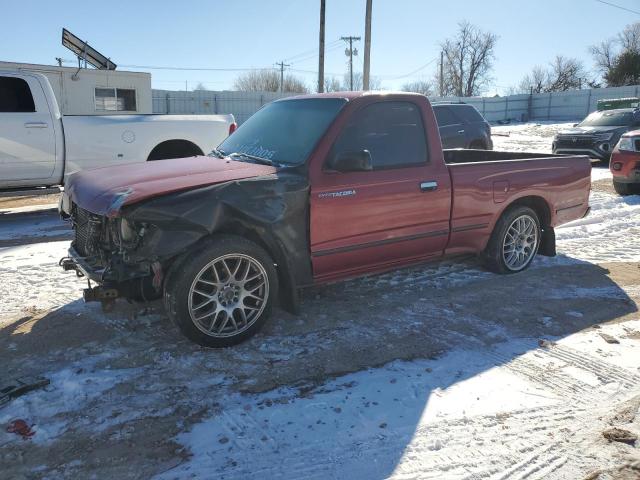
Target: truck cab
(31,136)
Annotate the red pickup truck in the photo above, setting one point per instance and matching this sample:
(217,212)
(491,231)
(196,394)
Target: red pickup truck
(310,189)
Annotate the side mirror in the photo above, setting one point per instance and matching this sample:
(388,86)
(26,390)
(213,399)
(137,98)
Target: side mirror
(354,161)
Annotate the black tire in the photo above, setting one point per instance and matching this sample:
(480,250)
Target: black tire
(182,278)
(494,256)
(478,145)
(625,188)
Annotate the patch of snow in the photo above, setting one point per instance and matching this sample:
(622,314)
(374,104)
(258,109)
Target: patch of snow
(604,235)
(409,418)
(30,277)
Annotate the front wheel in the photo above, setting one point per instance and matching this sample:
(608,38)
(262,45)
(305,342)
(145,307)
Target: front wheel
(224,293)
(514,242)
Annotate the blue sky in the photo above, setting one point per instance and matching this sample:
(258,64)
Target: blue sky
(252,34)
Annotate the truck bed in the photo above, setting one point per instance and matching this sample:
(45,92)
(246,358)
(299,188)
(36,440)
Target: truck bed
(458,155)
(485,182)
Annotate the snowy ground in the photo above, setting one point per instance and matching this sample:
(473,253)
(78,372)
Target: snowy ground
(443,371)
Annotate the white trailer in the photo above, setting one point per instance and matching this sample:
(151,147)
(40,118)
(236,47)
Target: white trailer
(89,91)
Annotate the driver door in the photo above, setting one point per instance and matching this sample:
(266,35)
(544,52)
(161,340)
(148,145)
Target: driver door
(396,213)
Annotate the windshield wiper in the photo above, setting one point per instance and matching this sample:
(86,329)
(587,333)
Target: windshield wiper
(263,161)
(217,153)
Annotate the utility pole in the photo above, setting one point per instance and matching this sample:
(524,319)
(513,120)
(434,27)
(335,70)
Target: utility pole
(350,52)
(367,47)
(441,73)
(59,60)
(282,65)
(321,52)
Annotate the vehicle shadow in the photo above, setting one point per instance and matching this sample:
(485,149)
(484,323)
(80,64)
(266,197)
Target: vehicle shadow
(454,321)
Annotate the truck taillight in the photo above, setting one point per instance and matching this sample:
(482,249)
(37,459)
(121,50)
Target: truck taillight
(233,127)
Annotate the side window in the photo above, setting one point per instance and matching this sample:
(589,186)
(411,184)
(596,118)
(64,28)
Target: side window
(470,114)
(445,117)
(115,99)
(392,132)
(15,95)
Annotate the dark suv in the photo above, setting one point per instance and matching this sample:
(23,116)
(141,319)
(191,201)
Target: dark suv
(462,126)
(597,134)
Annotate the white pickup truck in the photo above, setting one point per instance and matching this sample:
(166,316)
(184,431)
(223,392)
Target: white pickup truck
(39,147)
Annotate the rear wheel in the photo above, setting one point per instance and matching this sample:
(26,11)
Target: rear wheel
(224,293)
(626,188)
(514,242)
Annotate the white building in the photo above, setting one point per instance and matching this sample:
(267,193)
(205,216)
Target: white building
(88,91)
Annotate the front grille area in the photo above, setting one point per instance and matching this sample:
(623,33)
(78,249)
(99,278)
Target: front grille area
(88,232)
(575,141)
(637,144)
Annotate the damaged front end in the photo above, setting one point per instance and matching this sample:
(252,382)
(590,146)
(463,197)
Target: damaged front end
(130,250)
(104,251)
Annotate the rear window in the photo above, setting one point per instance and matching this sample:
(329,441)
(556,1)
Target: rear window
(468,113)
(15,95)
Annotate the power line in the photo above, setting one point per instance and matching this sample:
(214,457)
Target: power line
(398,77)
(311,52)
(618,6)
(315,55)
(203,69)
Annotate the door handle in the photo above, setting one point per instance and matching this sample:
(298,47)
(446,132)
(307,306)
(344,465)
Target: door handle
(428,186)
(36,125)
(461,131)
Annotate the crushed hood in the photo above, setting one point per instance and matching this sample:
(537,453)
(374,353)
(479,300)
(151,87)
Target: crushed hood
(104,191)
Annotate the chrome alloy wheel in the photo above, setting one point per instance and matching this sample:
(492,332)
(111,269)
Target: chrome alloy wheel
(228,295)
(520,243)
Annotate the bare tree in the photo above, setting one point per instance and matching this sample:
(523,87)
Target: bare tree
(603,54)
(332,84)
(419,86)
(268,80)
(534,82)
(629,38)
(200,87)
(374,82)
(614,58)
(565,74)
(468,60)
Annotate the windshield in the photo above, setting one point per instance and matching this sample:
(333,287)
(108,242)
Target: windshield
(284,132)
(608,119)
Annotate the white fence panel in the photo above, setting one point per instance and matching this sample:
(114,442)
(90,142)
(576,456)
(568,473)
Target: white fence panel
(570,105)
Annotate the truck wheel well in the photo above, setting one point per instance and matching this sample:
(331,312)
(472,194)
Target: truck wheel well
(538,205)
(541,207)
(174,149)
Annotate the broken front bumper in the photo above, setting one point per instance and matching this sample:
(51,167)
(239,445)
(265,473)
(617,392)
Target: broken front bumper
(117,279)
(82,267)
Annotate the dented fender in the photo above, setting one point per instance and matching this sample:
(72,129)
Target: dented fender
(271,210)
